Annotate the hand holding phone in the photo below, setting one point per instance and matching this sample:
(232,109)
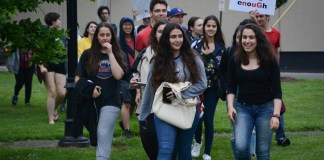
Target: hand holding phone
(140,83)
(165,97)
(98,90)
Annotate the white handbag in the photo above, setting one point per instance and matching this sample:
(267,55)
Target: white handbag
(181,112)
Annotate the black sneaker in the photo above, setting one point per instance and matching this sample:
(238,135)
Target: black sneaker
(128,134)
(14,100)
(283,141)
(27,104)
(121,125)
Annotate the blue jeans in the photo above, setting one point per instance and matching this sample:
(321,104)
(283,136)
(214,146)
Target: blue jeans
(168,136)
(249,116)
(280,133)
(210,102)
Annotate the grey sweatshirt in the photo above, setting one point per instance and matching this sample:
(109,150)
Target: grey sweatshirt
(193,91)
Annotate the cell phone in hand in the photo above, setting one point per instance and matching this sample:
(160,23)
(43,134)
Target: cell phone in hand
(165,91)
(98,90)
(140,83)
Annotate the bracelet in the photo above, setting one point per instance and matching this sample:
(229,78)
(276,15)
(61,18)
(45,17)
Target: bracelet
(275,115)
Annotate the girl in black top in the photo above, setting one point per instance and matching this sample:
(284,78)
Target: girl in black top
(254,70)
(103,64)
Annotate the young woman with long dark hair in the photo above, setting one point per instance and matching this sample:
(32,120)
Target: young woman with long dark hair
(211,47)
(174,62)
(103,65)
(255,74)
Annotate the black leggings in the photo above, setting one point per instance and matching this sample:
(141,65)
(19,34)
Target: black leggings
(24,77)
(149,139)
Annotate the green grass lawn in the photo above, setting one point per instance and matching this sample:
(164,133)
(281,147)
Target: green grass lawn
(303,100)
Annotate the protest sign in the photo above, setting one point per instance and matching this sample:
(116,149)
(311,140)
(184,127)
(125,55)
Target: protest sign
(141,9)
(262,6)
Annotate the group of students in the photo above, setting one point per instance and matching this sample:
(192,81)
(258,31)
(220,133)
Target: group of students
(250,75)
(165,51)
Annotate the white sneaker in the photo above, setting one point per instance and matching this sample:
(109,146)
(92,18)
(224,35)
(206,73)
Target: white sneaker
(206,157)
(195,151)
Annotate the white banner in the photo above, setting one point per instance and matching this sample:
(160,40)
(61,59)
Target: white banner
(141,9)
(262,6)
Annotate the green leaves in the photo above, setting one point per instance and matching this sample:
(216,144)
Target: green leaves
(44,42)
(280,3)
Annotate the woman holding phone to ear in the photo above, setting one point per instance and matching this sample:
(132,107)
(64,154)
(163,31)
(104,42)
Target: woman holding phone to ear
(103,64)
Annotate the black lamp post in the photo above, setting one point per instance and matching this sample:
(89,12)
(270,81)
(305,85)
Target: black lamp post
(68,139)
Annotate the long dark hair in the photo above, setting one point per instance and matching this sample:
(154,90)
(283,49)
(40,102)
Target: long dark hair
(164,67)
(264,52)
(153,41)
(219,38)
(95,50)
(86,32)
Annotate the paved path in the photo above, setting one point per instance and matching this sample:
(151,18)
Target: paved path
(303,75)
(54,143)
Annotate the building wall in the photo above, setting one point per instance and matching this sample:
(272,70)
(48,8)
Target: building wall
(301,28)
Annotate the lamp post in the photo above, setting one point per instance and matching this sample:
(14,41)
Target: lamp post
(68,139)
(221,7)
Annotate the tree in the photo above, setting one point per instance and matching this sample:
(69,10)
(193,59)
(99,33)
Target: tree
(280,3)
(27,34)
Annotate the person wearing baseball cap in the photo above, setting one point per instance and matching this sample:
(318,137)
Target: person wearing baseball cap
(176,16)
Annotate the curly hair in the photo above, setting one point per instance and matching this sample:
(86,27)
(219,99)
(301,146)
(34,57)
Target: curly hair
(264,51)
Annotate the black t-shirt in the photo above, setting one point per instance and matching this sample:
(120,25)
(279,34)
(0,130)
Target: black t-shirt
(110,88)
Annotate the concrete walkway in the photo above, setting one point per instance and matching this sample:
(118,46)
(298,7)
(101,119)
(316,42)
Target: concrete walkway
(303,75)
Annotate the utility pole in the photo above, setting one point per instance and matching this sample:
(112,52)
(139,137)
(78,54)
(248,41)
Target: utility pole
(221,8)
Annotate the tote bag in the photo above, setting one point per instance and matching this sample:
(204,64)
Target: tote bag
(181,112)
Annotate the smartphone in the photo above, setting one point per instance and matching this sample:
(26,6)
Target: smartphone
(99,90)
(140,83)
(165,91)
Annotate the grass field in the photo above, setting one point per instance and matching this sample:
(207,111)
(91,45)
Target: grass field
(303,100)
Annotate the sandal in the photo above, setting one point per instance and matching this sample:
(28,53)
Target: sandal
(55,117)
(51,122)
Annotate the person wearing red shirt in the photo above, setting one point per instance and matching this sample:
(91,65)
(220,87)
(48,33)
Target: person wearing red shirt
(158,10)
